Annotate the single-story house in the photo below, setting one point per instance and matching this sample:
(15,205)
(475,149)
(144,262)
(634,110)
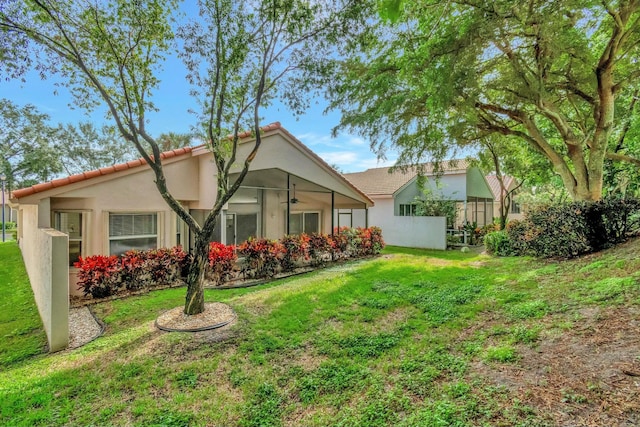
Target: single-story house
(515,210)
(394,192)
(288,190)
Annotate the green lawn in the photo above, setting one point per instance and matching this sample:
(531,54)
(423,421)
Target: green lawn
(21,330)
(395,340)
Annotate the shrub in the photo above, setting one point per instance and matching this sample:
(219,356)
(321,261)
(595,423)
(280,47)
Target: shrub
(620,217)
(517,232)
(9,225)
(319,245)
(498,243)
(296,248)
(369,241)
(486,229)
(98,275)
(145,269)
(558,231)
(262,257)
(222,259)
(102,276)
(572,229)
(339,243)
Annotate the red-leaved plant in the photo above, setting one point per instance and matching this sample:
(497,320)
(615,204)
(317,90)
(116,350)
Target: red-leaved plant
(101,276)
(98,275)
(222,260)
(262,257)
(296,249)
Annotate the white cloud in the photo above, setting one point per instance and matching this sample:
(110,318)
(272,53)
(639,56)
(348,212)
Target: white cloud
(354,161)
(340,158)
(374,162)
(313,139)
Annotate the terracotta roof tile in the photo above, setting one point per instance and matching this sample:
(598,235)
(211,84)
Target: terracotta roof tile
(76,178)
(120,167)
(107,170)
(60,182)
(91,174)
(380,181)
(38,188)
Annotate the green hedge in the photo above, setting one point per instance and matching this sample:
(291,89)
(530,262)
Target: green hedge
(572,229)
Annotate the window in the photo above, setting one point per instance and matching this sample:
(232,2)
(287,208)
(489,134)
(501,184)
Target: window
(304,222)
(515,207)
(71,223)
(407,210)
(132,231)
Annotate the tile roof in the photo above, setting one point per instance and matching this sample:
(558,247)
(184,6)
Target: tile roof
(494,184)
(382,181)
(23,192)
(38,188)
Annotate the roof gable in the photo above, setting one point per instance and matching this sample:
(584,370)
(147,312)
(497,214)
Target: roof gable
(87,177)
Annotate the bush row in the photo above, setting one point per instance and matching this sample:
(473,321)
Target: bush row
(568,230)
(101,276)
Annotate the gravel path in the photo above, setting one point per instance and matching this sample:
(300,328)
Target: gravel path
(83,327)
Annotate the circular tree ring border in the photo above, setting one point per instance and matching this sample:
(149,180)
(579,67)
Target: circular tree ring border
(233,317)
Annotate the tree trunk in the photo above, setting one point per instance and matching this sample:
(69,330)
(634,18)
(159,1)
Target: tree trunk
(194,303)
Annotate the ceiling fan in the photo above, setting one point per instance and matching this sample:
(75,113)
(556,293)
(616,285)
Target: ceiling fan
(294,200)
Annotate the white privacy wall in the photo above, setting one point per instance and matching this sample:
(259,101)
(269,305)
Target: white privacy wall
(427,232)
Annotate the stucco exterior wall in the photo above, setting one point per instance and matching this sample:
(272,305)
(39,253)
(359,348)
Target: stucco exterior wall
(417,232)
(449,187)
(131,193)
(46,256)
(408,231)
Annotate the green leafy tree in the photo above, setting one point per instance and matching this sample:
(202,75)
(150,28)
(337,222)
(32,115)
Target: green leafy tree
(239,57)
(561,77)
(85,147)
(26,153)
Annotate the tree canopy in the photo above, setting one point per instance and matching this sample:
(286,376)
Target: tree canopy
(561,77)
(33,150)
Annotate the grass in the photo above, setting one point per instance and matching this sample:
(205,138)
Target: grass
(21,330)
(387,341)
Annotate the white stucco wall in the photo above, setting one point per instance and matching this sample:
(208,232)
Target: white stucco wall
(46,257)
(417,232)
(409,231)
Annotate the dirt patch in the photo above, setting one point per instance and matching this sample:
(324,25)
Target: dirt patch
(588,376)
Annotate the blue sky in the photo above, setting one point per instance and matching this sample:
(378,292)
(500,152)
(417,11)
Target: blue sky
(349,152)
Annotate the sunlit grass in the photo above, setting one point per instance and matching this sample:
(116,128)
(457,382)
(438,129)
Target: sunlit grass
(21,330)
(384,341)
